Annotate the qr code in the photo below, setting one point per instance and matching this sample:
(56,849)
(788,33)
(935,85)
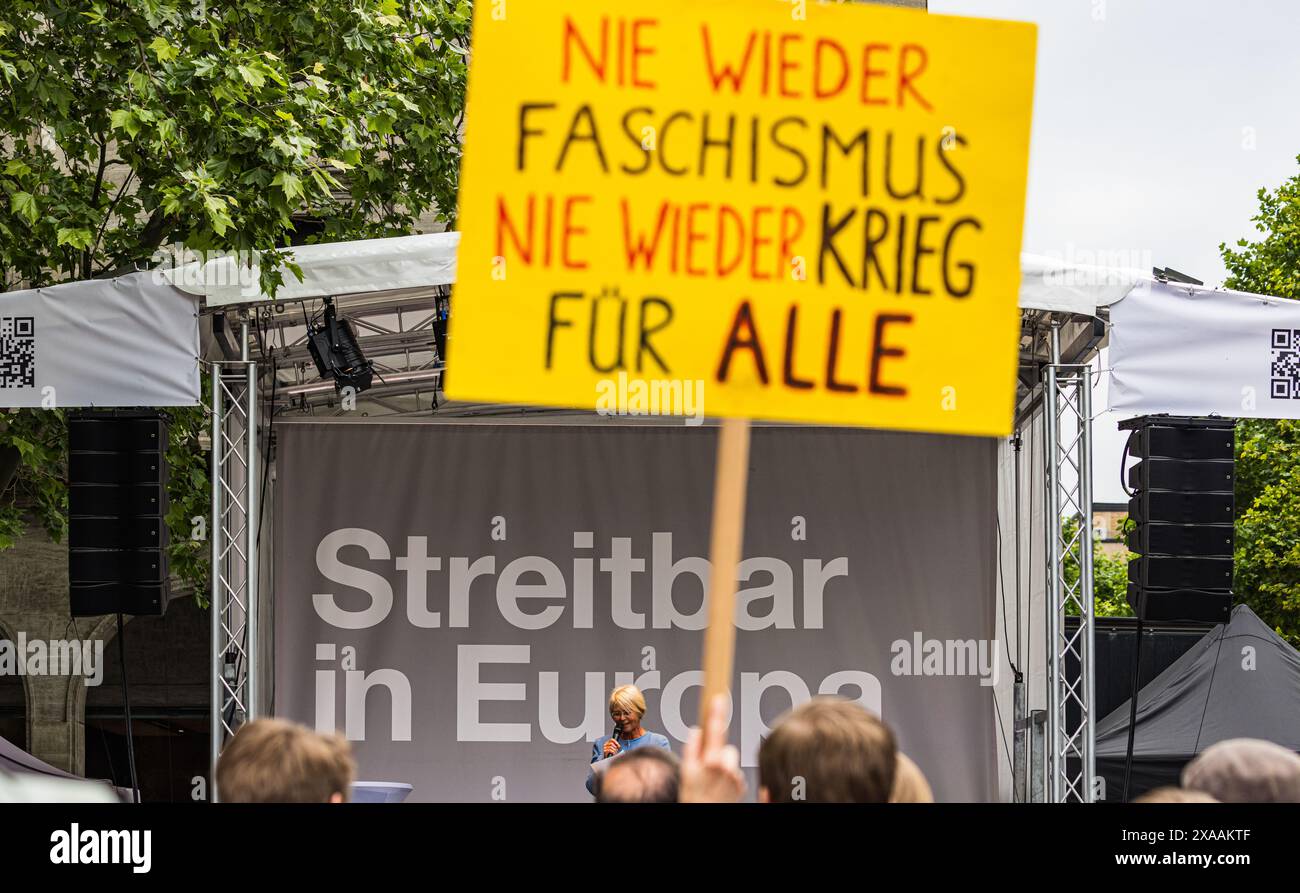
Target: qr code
(1284,375)
(17,351)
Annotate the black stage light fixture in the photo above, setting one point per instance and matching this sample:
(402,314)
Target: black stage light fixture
(337,355)
(442,312)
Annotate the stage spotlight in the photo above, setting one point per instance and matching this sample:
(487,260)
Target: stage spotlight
(334,348)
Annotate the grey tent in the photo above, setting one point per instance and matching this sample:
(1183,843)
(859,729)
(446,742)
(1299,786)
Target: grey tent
(1242,681)
(25,779)
(14,759)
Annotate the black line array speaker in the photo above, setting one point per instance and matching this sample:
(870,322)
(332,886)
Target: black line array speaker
(117,513)
(1182,509)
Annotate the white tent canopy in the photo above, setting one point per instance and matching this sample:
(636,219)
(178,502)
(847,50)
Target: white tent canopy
(1050,284)
(133,340)
(378,265)
(331,268)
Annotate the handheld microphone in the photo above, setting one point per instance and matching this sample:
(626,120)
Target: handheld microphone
(613,737)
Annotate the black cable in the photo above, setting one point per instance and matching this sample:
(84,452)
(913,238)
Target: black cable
(1133,699)
(1122,461)
(1002,587)
(257,332)
(126,702)
(1011,763)
(1137,646)
(266,456)
(266,472)
(266,461)
(1018,444)
(1029,564)
(266,466)
(1210,688)
(171,772)
(108,753)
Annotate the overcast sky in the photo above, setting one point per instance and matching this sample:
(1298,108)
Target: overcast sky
(1155,123)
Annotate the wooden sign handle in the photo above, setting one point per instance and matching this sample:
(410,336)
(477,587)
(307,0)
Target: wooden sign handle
(730,480)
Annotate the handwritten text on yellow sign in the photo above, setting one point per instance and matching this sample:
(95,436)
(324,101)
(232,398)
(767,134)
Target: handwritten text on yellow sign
(817,216)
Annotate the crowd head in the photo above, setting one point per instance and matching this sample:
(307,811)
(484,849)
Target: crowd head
(831,750)
(644,775)
(910,785)
(827,750)
(1245,770)
(277,761)
(1171,794)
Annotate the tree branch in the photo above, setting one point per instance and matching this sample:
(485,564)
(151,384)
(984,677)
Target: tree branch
(150,238)
(108,212)
(87,254)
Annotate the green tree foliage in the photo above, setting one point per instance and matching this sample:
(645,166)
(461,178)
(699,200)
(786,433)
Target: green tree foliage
(1267,573)
(1267,557)
(1109,576)
(128,126)
(131,125)
(1270,266)
(1110,583)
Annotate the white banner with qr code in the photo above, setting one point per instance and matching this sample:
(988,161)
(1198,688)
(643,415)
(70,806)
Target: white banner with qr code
(129,341)
(1195,351)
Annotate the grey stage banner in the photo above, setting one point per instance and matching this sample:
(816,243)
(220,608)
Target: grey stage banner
(459,597)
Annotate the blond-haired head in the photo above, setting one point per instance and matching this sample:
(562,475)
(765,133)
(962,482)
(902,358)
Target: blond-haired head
(628,698)
(910,785)
(1174,795)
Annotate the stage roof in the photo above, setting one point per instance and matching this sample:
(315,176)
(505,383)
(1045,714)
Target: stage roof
(374,266)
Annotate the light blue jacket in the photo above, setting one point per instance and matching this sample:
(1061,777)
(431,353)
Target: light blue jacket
(649,739)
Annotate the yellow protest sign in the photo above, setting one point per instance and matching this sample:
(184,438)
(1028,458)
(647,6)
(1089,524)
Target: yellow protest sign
(813,210)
